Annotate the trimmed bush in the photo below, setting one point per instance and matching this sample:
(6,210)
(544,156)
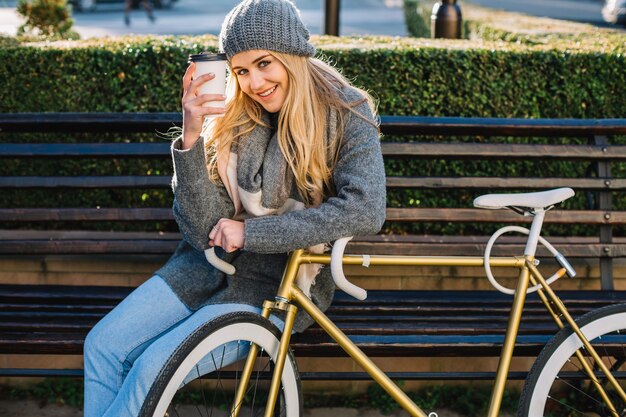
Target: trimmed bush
(417,17)
(408,76)
(47,19)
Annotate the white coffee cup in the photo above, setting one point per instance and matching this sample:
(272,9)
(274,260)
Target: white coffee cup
(217,64)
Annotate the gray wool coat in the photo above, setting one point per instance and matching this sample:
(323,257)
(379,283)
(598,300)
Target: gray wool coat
(356,208)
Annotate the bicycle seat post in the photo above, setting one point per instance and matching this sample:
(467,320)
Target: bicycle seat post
(535,232)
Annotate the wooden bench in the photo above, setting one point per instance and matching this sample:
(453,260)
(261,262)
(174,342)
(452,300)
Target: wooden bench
(53,319)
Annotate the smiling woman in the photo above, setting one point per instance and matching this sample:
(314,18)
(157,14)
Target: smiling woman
(291,161)
(263,77)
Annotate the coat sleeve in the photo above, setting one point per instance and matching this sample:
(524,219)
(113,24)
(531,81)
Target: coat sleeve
(358,208)
(198,202)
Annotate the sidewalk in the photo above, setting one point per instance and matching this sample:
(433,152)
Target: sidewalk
(31,408)
(192,17)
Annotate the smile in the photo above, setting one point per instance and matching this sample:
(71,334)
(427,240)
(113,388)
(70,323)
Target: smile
(268,92)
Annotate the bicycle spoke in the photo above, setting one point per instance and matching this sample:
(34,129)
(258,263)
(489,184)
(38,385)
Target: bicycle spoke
(201,390)
(577,389)
(256,385)
(219,385)
(582,413)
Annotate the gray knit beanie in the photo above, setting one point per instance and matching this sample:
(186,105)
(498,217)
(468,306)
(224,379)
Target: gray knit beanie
(273,25)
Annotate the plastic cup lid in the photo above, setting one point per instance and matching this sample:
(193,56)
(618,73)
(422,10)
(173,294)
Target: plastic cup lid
(207,56)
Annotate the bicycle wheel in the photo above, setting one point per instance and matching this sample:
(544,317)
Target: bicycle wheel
(557,384)
(201,376)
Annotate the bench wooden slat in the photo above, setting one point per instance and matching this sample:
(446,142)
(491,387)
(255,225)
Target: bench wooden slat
(424,150)
(87,235)
(418,346)
(393,214)
(71,343)
(18,247)
(421,150)
(502,216)
(84,324)
(150,181)
(88,122)
(451,126)
(37,247)
(506,183)
(96,295)
(94,242)
(607,250)
(85,214)
(84,150)
(122,181)
(396,125)
(67,343)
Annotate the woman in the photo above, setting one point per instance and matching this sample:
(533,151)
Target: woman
(293,161)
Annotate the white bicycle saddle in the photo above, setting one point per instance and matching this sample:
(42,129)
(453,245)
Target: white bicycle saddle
(538,200)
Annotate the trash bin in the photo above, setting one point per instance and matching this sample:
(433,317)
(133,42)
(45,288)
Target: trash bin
(445,20)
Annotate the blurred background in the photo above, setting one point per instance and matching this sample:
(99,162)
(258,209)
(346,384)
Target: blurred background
(96,18)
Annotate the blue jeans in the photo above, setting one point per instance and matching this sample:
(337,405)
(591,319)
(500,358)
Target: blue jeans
(127,349)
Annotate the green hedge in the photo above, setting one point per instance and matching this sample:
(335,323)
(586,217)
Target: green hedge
(408,76)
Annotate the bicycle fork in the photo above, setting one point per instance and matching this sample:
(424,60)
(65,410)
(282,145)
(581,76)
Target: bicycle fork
(553,300)
(290,315)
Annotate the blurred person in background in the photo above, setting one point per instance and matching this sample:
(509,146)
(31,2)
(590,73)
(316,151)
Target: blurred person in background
(128,5)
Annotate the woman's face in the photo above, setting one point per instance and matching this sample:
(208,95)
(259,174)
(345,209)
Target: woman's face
(262,77)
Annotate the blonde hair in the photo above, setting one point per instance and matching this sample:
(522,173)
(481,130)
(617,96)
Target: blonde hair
(302,123)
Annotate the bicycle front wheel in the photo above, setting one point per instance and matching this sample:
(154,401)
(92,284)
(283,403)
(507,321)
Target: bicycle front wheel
(557,384)
(202,375)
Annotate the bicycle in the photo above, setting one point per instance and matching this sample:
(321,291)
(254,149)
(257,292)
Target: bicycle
(570,364)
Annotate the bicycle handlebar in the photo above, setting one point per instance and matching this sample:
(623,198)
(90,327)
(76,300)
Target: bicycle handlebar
(336,268)
(219,263)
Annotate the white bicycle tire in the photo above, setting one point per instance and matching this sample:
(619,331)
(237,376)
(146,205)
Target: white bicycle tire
(555,354)
(241,326)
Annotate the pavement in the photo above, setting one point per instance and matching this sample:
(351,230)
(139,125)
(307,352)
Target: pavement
(192,17)
(24,408)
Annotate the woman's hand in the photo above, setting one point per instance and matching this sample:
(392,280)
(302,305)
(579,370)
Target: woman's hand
(228,234)
(193,110)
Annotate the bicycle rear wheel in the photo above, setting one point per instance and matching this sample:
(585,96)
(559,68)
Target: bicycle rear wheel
(201,376)
(557,385)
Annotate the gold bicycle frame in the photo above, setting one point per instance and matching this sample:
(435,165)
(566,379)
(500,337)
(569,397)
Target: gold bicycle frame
(288,292)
